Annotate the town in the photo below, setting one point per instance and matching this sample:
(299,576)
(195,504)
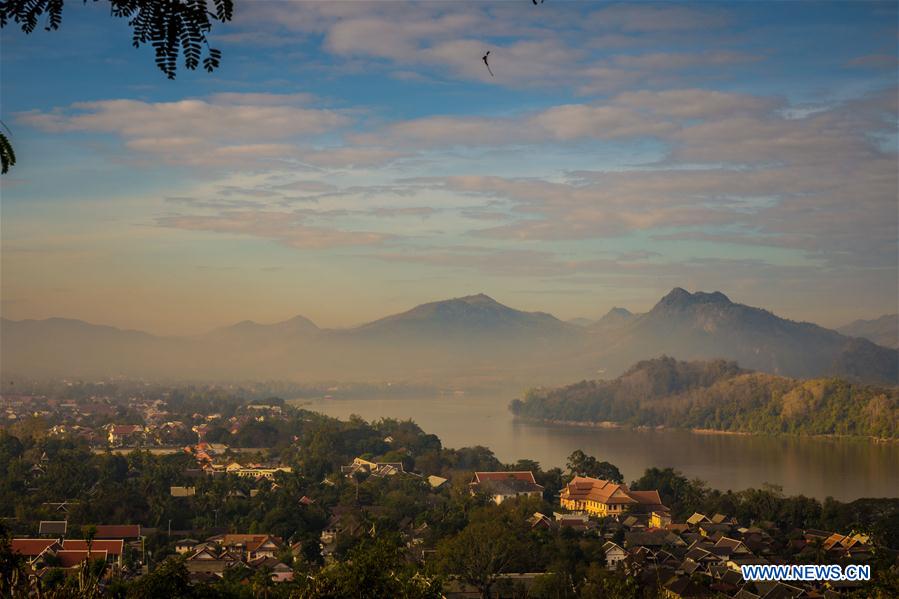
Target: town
(107,491)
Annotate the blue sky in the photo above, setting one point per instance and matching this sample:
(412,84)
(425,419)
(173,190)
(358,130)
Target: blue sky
(353,159)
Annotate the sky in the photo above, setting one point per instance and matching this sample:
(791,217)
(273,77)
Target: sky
(353,159)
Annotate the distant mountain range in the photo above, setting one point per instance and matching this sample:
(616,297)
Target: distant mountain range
(719,395)
(467,341)
(882,331)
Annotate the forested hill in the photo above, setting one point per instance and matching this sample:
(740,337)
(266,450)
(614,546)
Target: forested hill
(720,395)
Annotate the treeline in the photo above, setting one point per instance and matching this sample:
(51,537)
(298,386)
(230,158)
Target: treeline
(721,396)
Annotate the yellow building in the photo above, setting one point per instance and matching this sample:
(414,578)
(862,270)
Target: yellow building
(604,498)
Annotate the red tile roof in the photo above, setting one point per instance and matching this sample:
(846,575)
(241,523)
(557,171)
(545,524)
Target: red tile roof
(68,559)
(117,531)
(32,547)
(113,547)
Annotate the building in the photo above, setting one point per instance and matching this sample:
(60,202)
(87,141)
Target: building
(363,466)
(500,486)
(615,554)
(114,549)
(120,434)
(604,498)
(52,528)
(128,532)
(34,550)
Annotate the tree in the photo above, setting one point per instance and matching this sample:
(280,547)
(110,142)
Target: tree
(480,553)
(169,579)
(374,568)
(173,27)
(7,154)
(581,464)
(13,576)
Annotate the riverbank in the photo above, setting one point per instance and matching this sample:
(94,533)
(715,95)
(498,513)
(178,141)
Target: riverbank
(610,425)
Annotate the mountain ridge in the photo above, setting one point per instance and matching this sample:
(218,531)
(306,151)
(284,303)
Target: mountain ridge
(463,339)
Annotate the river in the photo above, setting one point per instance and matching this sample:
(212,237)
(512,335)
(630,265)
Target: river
(845,469)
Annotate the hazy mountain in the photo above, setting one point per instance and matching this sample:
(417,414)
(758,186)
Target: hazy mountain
(580,321)
(720,395)
(467,317)
(467,340)
(882,331)
(280,331)
(73,347)
(613,320)
(708,325)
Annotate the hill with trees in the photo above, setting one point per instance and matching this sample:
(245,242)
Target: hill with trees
(719,395)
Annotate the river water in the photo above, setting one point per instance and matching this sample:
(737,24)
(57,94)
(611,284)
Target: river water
(845,469)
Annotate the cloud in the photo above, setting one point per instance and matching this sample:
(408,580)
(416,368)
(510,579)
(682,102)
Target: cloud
(224,129)
(529,48)
(287,228)
(220,119)
(627,115)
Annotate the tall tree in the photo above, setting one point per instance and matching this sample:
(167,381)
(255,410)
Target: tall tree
(480,554)
(581,464)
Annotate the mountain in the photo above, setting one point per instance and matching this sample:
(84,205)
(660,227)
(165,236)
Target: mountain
(720,395)
(709,325)
(614,319)
(466,341)
(580,321)
(882,331)
(68,347)
(473,316)
(279,331)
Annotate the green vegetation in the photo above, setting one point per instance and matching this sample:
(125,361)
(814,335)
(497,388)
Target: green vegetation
(721,396)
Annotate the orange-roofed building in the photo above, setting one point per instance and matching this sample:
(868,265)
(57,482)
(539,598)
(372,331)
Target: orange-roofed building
(72,558)
(128,532)
(604,498)
(31,549)
(114,547)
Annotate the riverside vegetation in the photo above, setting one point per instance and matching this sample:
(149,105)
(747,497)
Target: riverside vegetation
(719,395)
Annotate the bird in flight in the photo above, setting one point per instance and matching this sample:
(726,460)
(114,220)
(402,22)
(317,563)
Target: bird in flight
(484,58)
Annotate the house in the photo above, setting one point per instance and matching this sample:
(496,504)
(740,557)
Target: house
(70,558)
(436,482)
(361,465)
(538,520)
(260,472)
(698,518)
(280,572)
(127,532)
(114,548)
(34,550)
(604,498)
(500,486)
(578,522)
(250,546)
(615,554)
(52,528)
(120,434)
(659,519)
(185,546)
